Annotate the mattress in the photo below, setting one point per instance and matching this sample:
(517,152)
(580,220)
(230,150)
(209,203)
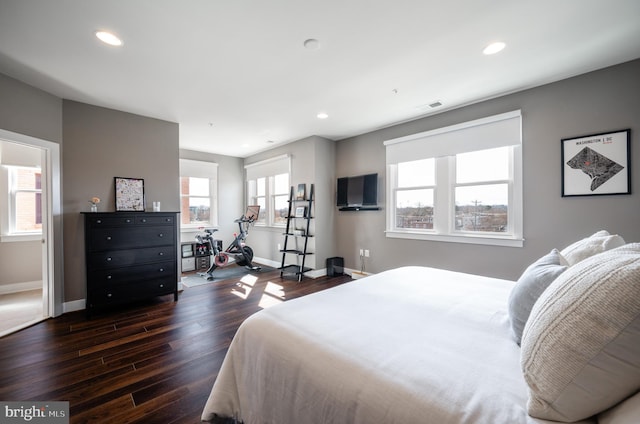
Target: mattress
(413,344)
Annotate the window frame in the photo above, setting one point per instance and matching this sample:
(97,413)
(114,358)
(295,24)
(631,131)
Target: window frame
(9,193)
(201,169)
(269,216)
(267,169)
(444,196)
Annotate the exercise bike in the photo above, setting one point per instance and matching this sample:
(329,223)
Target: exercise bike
(237,252)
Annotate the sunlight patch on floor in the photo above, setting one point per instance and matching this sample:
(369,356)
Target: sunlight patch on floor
(273,295)
(244,287)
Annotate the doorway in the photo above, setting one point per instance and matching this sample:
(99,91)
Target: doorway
(29,197)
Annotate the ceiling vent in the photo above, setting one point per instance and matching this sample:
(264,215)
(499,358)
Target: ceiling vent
(431,105)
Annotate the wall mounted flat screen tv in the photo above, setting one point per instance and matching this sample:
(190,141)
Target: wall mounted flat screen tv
(358,193)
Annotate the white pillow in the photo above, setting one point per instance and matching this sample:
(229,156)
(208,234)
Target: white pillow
(533,281)
(581,345)
(627,412)
(597,243)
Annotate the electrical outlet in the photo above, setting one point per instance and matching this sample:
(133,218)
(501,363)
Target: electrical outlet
(366,253)
(361,252)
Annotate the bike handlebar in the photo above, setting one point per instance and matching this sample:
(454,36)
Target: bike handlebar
(243,218)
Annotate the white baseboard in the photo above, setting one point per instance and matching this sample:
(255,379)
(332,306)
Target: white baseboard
(74,305)
(268,262)
(20,287)
(355,274)
(316,273)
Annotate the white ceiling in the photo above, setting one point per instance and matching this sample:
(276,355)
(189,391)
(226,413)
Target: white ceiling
(236,77)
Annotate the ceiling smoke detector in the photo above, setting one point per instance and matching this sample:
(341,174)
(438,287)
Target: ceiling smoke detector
(311,44)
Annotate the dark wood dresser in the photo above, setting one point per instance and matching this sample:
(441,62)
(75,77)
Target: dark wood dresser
(130,256)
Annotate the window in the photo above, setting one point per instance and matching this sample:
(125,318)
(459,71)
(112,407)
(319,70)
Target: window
(21,197)
(268,186)
(460,183)
(25,200)
(198,194)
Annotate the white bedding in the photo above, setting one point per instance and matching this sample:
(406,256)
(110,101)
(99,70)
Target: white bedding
(408,345)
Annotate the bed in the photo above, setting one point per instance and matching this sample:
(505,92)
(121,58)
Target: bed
(413,344)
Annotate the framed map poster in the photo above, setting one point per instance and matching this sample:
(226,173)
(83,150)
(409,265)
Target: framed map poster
(129,194)
(596,164)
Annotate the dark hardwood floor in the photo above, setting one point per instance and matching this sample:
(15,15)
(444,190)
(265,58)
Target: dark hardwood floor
(152,362)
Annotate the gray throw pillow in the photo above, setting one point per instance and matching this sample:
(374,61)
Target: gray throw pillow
(535,279)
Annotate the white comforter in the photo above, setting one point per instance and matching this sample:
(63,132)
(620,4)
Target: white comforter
(410,345)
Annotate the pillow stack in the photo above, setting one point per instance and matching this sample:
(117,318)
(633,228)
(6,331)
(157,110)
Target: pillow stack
(581,341)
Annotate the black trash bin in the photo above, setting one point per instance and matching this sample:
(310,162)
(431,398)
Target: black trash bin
(335,266)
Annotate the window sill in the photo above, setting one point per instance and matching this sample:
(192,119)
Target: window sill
(9,238)
(271,228)
(448,238)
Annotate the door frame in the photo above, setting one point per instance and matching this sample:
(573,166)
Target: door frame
(52,219)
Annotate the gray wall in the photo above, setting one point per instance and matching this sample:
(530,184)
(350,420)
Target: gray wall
(600,101)
(27,110)
(312,161)
(100,144)
(33,112)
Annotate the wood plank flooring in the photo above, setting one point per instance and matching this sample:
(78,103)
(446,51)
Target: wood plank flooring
(151,362)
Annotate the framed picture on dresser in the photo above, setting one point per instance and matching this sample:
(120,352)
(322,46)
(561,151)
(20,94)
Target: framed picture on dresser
(129,194)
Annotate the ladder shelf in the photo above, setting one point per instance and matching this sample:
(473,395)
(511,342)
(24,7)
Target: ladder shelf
(299,210)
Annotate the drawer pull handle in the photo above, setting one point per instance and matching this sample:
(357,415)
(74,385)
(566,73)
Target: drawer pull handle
(109,295)
(161,253)
(144,220)
(108,277)
(98,221)
(108,238)
(161,270)
(168,220)
(109,259)
(160,235)
(127,221)
(161,285)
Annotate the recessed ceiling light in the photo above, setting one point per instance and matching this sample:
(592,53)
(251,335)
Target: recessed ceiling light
(322,115)
(494,48)
(108,38)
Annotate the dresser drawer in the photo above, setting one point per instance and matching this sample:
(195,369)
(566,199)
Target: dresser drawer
(117,220)
(126,275)
(155,220)
(106,295)
(126,238)
(99,221)
(122,258)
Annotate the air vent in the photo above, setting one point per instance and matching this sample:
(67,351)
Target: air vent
(431,105)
